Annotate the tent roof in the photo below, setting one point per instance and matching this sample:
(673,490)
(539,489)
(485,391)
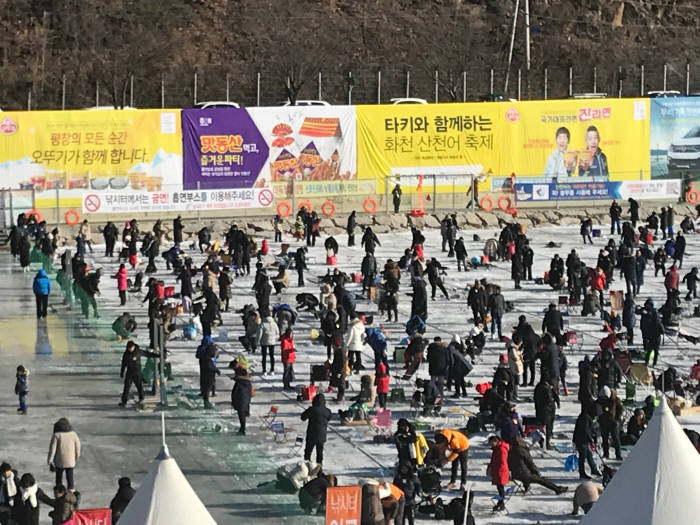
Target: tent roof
(165,497)
(658,482)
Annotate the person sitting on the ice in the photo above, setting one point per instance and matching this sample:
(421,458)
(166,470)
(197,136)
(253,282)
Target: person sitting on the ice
(281,280)
(556,272)
(405,260)
(358,411)
(476,341)
(509,423)
(414,354)
(331,245)
(429,398)
(585,496)
(376,340)
(124,325)
(502,379)
(671,310)
(653,222)
(312,496)
(172,258)
(591,304)
(523,468)
(636,425)
(687,225)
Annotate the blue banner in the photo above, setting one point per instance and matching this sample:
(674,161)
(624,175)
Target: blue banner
(589,191)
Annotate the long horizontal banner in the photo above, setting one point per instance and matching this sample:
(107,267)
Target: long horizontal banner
(585,191)
(178,201)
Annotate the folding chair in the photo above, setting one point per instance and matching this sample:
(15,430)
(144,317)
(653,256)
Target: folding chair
(381,422)
(509,492)
(279,433)
(295,449)
(672,333)
(269,418)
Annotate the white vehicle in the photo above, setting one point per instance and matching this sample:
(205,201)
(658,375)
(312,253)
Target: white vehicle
(306,103)
(216,104)
(408,101)
(684,153)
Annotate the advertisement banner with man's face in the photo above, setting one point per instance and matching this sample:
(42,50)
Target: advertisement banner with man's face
(451,141)
(675,137)
(262,147)
(595,140)
(119,151)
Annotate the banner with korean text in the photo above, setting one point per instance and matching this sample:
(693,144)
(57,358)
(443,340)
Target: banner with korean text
(112,151)
(260,147)
(344,505)
(194,200)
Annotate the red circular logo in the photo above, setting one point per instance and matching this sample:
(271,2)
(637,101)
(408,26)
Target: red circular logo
(265,197)
(92,203)
(512,114)
(8,126)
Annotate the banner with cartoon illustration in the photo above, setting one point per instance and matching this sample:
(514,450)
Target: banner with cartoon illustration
(261,147)
(120,151)
(595,140)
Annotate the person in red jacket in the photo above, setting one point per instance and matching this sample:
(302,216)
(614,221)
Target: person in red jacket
(289,356)
(671,280)
(381,381)
(121,277)
(598,284)
(265,247)
(498,469)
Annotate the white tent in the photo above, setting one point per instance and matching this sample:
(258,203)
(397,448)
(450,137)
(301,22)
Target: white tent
(165,497)
(658,483)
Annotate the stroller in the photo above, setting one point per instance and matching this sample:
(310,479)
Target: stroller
(430,488)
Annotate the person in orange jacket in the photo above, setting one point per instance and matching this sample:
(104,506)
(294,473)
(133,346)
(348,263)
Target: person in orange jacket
(289,356)
(381,381)
(458,445)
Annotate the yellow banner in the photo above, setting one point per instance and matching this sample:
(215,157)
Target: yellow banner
(121,151)
(558,139)
(449,140)
(600,139)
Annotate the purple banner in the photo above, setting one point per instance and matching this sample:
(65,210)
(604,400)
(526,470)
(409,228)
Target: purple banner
(222,148)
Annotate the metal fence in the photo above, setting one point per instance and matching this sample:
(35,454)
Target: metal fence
(345,86)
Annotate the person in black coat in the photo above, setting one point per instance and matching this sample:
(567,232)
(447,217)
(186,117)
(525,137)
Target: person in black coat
(131,366)
(634,211)
(650,325)
(318,417)
(178,227)
(587,385)
(461,253)
(352,224)
(369,240)
(110,234)
(262,293)
(241,394)
(121,499)
(546,403)
(528,259)
(419,301)
(615,214)
(434,270)
(417,237)
(300,263)
(629,318)
(369,271)
(331,245)
(530,343)
(204,239)
(523,468)
(407,480)
(550,364)
(207,373)
(502,379)
(691,278)
(438,362)
(610,421)
(405,438)
(609,372)
(679,250)
(553,323)
(635,427)
(516,269)
(584,437)
(476,299)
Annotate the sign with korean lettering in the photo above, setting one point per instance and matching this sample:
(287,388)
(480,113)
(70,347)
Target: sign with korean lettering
(92,517)
(597,140)
(428,139)
(186,200)
(572,191)
(675,137)
(257,147)
(344,505)
(121,151)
